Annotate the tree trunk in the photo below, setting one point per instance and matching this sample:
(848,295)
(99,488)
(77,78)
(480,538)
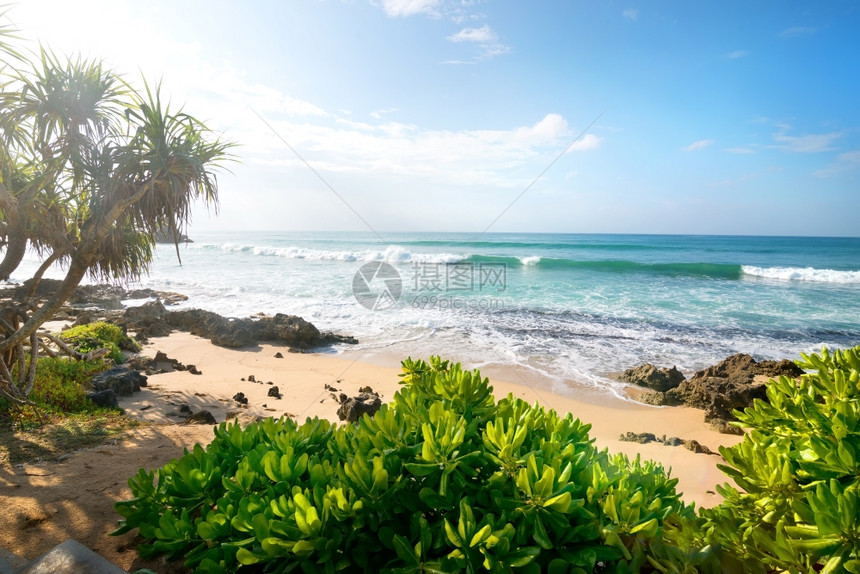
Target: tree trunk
(78,268)
(37,277)
(16,244)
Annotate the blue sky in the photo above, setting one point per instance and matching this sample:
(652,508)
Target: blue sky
(712,118)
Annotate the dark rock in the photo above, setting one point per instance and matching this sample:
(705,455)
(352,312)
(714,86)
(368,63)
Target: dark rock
(290,330)
(651,377)
(775,369)
(642,437)
(101,296)
(724,427)
(252,379)
(352,408)
(201,418)
(738,368)
(332,338)
(193,370)
(240,398)
(166,297)
(104,398)
(147,320)
(122,380)
(330,388)
(697,447)
(147,365)
(45,288)
(646,437)
(185,409)
(366,390)
(720,389)
(275,392)
(279,355)
(655,398)
(219,330)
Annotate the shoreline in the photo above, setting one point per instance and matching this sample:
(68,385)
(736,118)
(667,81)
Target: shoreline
(301,379)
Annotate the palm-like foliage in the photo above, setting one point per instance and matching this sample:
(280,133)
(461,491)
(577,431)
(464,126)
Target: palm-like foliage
(90,171)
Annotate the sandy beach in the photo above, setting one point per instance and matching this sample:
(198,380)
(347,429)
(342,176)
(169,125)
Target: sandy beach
(49,502)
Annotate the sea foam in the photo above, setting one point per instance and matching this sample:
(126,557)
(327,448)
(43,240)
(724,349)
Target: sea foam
(391,254)
(802,274)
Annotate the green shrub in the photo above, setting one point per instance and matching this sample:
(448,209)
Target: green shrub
(60,387)
(798,469)
(444,479)
(100,335)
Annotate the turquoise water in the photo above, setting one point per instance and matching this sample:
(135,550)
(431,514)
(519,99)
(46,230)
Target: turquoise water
(571,307)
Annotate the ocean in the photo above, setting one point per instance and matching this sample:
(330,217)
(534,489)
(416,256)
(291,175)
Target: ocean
(573,309)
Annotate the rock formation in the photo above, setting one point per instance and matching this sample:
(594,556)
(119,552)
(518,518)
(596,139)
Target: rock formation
(651,377)
(722,388)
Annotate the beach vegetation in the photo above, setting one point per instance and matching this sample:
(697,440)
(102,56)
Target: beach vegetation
(60,388)
(796,503)
(447,479)
(91,170)
(61,419)
(443,479)
(100,335)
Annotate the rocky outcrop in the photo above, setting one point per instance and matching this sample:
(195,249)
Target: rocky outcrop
(106,398)
(91,303)
(152,319)
(159,364)
(651,377)
(105,297)
(646,437)
(121,380)
(166,297)
(201,418)
(147,320)
(722,388)
(351,409)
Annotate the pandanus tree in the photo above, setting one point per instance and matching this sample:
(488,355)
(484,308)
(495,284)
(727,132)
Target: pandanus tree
(90,171)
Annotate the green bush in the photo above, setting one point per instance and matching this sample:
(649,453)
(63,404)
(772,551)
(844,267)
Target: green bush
(100,335)
(444,479)
(798,469)
(60,387)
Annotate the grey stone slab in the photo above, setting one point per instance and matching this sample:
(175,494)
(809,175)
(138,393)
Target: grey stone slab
(71,557)
(9,562)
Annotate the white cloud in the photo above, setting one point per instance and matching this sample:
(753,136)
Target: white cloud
(377,115)
(844,162)
(485,37)
(631,14)
(482,157)
(738,54)
(809,143)
(701,144)
(482,35)
(796,31)
(403,8)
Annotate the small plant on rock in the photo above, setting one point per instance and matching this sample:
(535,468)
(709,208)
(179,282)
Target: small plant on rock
(100,335)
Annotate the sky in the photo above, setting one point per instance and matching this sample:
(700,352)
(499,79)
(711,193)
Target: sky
(574,116)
